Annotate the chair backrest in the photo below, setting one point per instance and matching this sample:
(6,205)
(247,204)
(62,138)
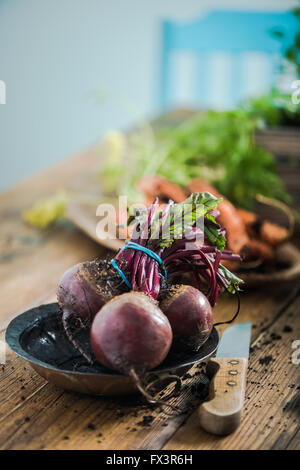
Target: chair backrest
(196,51)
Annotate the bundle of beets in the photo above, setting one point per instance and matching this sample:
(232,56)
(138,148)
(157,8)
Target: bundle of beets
(136,306)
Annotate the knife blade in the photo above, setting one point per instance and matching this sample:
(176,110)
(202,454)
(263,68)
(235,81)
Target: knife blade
(235,341)
(222,413)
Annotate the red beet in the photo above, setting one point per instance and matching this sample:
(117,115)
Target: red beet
(81,294)
(190,316)
(78,293)
(131,332)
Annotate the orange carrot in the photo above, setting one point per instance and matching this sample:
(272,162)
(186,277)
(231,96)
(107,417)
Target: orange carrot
(267,231)
(247,217)
(260,250)
(158,186)
(273,233)
(237,238)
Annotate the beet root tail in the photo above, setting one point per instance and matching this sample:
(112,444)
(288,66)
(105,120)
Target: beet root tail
(137,381)
(73,340)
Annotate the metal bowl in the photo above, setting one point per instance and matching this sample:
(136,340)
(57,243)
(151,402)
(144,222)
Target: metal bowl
(38,337)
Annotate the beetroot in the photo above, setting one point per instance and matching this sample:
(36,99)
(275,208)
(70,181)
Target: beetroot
(131,332)
(81,294)
(190,316)
(78,293)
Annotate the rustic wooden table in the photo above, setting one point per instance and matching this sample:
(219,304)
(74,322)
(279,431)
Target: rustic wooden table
(36,415)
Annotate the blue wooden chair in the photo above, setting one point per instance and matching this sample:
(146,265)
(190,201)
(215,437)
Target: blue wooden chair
(234,33)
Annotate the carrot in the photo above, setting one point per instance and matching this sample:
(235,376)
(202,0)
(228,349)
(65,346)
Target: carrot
(267,231)
(247,217)
(231,265)
(237,237)
(158,186)
(260,250)
(246,233)
(273,233)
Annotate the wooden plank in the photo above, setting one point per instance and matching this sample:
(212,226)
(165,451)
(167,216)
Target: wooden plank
(35,414)
(61,420)
(281,141)
(48,415)
(34,274)
(271,417)
(294,444)
(32,261)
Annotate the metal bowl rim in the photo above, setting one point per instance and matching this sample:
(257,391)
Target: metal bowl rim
(16,328)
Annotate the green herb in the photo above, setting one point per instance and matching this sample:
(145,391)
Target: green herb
(272,110)
(292,52)
(216,146)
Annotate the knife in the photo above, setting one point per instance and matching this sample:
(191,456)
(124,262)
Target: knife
(222,413)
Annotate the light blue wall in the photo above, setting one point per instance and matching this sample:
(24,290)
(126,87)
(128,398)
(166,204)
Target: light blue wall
(55,54)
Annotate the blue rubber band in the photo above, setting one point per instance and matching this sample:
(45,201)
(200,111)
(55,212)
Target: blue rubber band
(136,246)
(114,264)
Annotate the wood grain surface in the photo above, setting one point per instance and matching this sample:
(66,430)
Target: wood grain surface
(36,415)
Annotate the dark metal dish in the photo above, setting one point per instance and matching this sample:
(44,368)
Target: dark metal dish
(38,337)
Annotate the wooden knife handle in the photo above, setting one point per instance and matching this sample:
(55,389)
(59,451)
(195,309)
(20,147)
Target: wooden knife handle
(221,415)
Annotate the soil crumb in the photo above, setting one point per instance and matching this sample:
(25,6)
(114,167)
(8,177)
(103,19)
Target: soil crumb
(266,360)
(147,420)
(287,329)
